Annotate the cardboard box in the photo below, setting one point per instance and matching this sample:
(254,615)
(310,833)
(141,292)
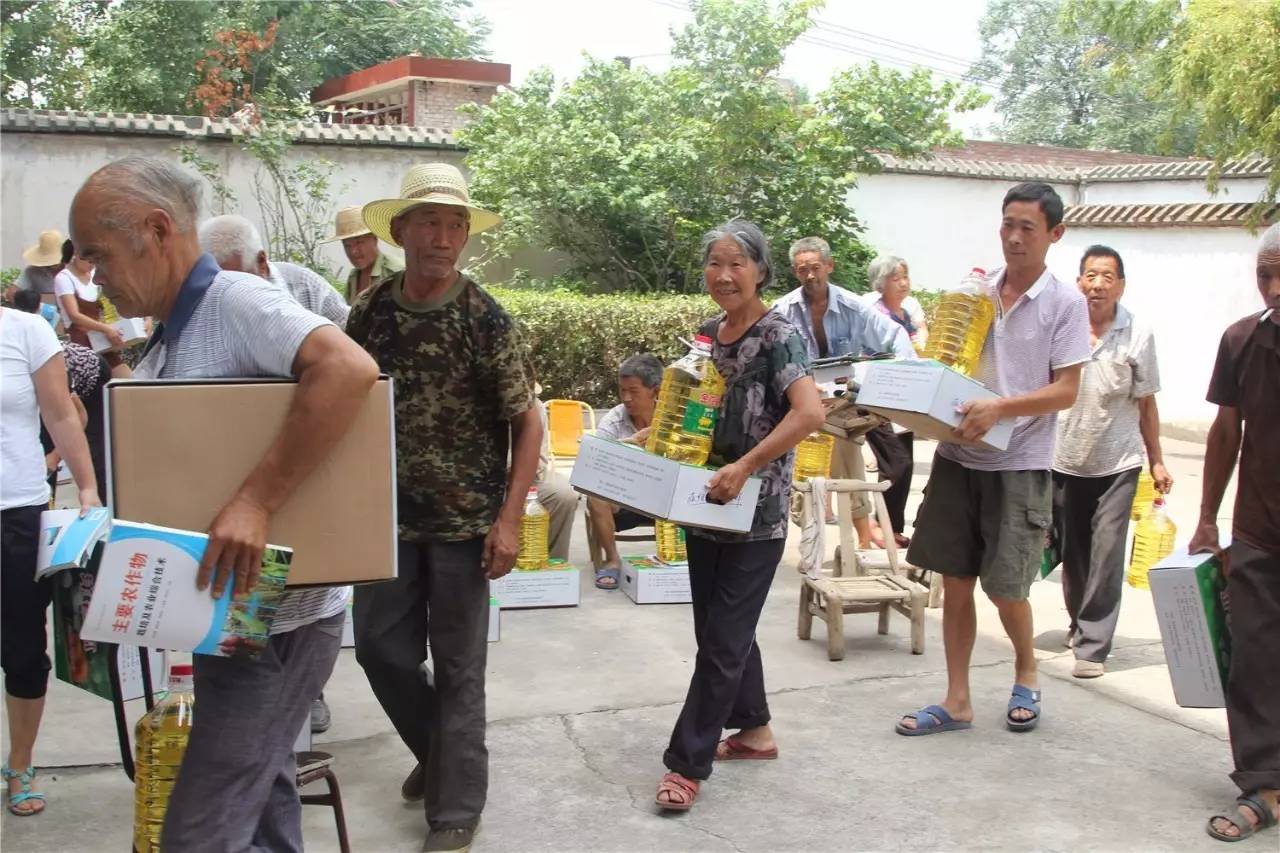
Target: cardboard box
(660,488)
(648,580)
(178,450)
(1187,592)
(923,396)
(133,329)
(537,588)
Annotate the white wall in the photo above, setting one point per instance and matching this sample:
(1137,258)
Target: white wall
(1189,284)
(1172,192)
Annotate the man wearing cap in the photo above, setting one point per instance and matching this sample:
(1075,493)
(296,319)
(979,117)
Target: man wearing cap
(464,390)
(44,262)
(368,263)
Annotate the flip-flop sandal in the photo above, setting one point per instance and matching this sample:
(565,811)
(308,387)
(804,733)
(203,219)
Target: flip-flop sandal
(684,789)
(1266,818)
(1027,699)
(931,720)
(25,795)
(732,749)
(608,573)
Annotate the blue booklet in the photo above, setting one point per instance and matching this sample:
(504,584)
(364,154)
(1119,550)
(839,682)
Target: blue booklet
(67,540)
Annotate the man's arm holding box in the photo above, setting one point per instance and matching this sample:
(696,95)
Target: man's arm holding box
(981,415)
(1221,451)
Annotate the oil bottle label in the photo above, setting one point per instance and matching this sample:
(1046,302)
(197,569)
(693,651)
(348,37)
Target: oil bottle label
(699,418)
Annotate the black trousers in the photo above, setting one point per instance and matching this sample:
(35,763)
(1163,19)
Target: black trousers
(23,602)
(1253,685)
(895,460)
(729,583)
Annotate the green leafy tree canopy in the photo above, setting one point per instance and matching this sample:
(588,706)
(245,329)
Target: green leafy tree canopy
(623,169)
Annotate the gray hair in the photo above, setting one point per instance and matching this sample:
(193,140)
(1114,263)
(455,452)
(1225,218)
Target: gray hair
(882,269)
(809,244)
(150,183)
(749,238)
(231,238)
(646,367)
(1270,244)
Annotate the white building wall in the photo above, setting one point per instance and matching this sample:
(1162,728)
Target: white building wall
(1171,192)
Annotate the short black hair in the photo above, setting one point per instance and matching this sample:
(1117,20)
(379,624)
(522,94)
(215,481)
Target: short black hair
(68,252)
(1097,250)
(1043,194)
(27,300)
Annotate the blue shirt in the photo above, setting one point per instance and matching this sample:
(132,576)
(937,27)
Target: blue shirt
(852,327)
(50,314)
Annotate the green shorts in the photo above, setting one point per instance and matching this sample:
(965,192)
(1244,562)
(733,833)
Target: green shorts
(985,524)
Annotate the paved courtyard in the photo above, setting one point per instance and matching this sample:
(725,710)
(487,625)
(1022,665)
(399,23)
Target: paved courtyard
(581,702)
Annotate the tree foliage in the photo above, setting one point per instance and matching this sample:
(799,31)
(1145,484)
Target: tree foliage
(1054,69)
(623,169)
(141,55)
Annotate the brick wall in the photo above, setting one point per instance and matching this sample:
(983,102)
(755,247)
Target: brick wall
(436,102)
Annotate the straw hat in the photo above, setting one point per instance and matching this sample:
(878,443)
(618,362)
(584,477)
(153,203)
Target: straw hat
(47,252)
(426,183)
(348,224)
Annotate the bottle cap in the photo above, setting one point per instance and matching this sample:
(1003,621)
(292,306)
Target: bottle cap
(533,491)
(978,270)
(702,339)
(181,670)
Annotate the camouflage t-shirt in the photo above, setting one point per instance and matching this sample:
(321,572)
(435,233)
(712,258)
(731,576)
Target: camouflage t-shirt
(758,368)
(461,375)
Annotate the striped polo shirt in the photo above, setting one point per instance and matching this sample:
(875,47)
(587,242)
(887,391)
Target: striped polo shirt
(227,325)
(1045,330)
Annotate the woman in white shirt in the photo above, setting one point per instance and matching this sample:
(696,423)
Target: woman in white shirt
(891,295)
(81,312)
(33,385)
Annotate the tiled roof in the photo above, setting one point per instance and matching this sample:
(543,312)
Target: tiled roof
(198,127)
(1256,167)
(1200,215)
(1046,155)
(942,163)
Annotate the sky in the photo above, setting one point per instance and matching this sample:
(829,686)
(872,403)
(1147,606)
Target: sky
(942,34)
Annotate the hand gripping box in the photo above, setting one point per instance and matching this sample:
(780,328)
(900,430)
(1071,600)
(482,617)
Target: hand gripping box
(660,488)
(923,397)
(1187,590)
(178,450)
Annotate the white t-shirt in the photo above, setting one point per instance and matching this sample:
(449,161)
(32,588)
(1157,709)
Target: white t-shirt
(65,283)
(26,344)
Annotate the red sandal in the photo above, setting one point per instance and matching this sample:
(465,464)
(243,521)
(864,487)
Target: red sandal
(732,749)
(681,792)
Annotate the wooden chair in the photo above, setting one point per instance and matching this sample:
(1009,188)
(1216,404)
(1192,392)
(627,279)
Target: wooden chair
(565,418)
(851,586)
(596,550)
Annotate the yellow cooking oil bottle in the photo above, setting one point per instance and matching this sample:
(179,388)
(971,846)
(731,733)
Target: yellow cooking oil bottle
(535,529)
(964,317)
(1145,494)
(1152,542)
(670,537)
(688,404)
(161,742)
(109,313)
(813,457)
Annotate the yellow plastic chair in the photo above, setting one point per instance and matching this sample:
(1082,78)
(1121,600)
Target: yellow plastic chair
(565,418)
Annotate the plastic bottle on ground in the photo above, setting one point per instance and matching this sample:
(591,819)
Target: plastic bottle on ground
(535,530)
(688,404)
(161,742)
(960,328)
(1152,542)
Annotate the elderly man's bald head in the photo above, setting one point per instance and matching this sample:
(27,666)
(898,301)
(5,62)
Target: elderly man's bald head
(1269,267)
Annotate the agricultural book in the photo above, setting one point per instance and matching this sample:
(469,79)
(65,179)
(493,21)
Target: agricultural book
(145,595)
(67,540)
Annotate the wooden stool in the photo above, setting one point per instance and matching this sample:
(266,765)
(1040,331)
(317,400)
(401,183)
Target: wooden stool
(312,767)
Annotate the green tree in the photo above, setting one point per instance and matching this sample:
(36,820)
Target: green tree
(624,169)
(141,55)
(1219,59)
(1053,69)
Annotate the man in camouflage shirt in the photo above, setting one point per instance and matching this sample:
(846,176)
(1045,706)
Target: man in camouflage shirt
(463,388)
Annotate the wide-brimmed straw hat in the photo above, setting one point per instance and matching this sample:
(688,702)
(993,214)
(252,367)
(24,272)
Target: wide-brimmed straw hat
(348,224)
(426,183)
(47,252)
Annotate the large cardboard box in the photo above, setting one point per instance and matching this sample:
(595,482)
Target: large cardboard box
(133,329)
(923,396)
(648,580)
(556,587)
(178,450)
(1187,591)
(661,488)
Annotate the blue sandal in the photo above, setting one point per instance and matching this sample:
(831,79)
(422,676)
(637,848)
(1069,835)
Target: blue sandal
(608,573)
(26,794)
(1027,699)
(931,720)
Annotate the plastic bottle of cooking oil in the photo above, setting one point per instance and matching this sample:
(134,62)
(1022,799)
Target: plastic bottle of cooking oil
(161,743)
(670,538)
(687,407)
(1145,494)
(109,312)
(964,317)
(535,528)
(813,457)
(1152,542)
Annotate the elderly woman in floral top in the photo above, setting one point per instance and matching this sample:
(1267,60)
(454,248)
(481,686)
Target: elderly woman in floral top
(770,404)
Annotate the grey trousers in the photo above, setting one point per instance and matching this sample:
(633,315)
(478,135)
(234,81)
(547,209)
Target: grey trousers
(237,789)
(1253,685)
(1091,515)
(441,595)
(560,501)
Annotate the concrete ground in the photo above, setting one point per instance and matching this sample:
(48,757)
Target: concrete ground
(581,702)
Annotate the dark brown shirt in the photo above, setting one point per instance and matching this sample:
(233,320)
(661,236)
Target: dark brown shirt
(1246,376)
